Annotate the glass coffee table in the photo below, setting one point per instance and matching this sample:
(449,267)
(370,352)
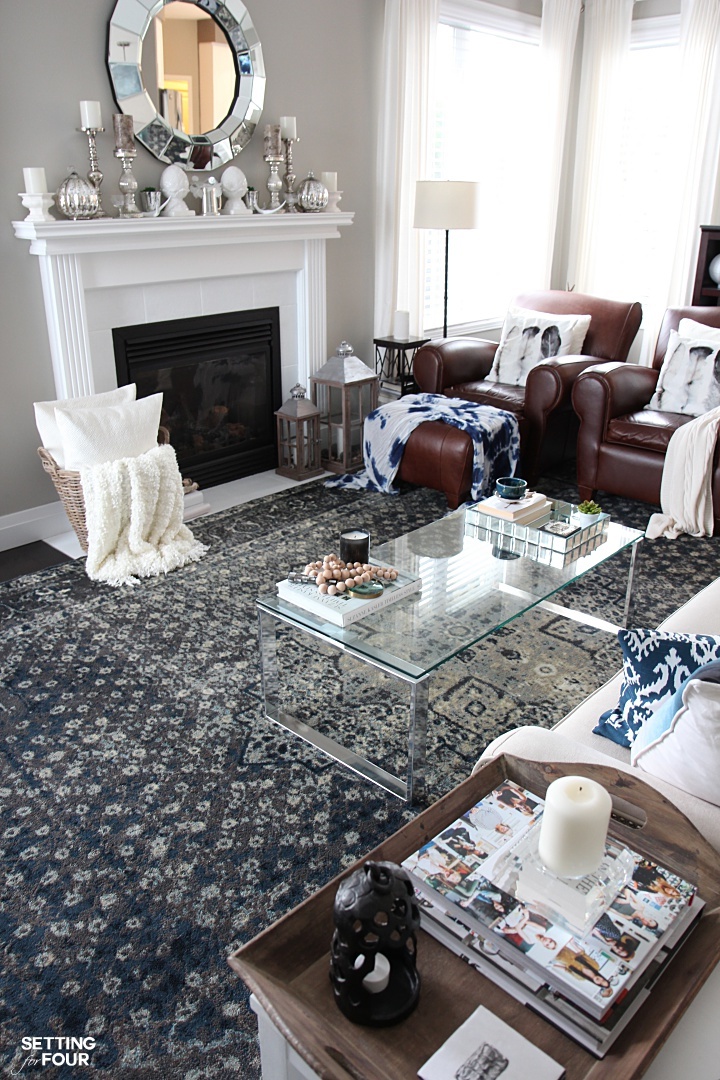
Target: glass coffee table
(477,574)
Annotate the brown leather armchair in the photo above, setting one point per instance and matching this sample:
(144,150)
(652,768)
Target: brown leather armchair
(621,445)
(457,367)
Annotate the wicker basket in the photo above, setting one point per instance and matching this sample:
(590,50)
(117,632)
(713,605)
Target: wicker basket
(68,486)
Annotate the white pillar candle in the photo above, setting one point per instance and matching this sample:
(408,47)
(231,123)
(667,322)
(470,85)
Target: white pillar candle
(329,179)
(34,181)
(376,980)
(574,826)
(288,127)
(401,325)
(90,115)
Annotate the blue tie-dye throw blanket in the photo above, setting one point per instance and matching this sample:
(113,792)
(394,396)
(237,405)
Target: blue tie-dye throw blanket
(494,432)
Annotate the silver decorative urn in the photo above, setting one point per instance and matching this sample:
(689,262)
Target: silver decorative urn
(312,195)
(77,198)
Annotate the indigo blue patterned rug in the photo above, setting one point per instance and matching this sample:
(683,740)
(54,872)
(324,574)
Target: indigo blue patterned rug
(153,820)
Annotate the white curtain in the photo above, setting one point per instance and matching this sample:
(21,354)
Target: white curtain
(606,44)
(558,34)
(404,128)
(697,142)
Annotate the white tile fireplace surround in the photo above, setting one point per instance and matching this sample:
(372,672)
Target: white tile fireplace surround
(110,272)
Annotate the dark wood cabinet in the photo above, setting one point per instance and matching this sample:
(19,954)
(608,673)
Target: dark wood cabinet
(706,292)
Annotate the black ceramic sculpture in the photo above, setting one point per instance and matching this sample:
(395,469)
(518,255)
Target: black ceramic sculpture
(376,916)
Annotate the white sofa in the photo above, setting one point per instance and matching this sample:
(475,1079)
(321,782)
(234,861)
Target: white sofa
(572,738)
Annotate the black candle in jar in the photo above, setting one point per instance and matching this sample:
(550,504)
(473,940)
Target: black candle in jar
(355,546)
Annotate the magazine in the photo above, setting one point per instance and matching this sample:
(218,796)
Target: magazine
(464,872)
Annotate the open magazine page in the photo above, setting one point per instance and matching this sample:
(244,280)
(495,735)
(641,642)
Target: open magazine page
(457,869)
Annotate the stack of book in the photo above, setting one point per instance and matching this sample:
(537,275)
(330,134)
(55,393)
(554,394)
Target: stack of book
(531,507)
(343,610)
(588,983)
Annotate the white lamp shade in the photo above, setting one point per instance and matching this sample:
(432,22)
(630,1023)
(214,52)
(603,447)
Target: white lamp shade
(447,204)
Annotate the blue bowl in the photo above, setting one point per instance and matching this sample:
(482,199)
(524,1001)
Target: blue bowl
(510,487)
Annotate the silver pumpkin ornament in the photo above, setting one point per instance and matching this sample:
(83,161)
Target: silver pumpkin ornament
(77,198)
(312,195)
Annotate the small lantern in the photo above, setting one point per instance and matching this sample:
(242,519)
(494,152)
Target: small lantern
(345,390)
(298,437)
(373,967)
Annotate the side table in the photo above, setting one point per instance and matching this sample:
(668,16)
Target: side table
(393,362)
(304,1035)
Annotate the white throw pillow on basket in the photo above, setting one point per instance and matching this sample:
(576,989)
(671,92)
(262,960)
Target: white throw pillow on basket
(93,436)
(45,415)
(529,337)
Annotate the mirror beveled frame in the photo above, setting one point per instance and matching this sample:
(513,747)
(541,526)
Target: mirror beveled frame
(129,23)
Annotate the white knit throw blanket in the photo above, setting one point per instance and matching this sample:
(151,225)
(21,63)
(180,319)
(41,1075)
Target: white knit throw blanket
(134,516)
(686,488)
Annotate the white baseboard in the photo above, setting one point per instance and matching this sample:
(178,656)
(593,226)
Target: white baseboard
(36,523)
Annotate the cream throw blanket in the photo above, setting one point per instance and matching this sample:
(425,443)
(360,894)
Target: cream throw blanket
(134,515)
(686,488)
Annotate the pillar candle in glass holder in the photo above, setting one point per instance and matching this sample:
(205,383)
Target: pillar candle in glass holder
(272,147)
(90,115)
(288,127)
(123,129)
(574,826)
(34,181)
(355,546)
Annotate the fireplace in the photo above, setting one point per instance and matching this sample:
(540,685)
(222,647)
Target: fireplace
(220,380)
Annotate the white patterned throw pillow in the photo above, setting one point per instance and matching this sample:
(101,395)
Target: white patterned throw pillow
(689,379)
(45,415)
(93,436)
(529,337)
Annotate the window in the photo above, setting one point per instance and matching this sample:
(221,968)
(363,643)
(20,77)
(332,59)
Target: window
(487,129)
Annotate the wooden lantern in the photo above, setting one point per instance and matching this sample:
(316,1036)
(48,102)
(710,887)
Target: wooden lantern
(345,390)
(298,437)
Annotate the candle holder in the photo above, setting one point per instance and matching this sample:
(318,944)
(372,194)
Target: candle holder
(290,178)
(374,948)
(355,546)
(127,183)
(334,198)
(575,903)
(94,175)
(274,183)
(38,205)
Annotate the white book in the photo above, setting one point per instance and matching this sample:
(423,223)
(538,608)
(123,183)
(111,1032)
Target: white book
(343,611)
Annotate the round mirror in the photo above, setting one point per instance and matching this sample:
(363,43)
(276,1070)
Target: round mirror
(191,74)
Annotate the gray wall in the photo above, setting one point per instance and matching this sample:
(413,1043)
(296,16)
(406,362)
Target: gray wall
(322,64)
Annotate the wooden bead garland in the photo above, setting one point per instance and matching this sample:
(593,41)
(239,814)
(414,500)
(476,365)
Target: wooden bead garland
(334,577)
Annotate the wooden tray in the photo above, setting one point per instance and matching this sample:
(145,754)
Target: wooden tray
(287,966)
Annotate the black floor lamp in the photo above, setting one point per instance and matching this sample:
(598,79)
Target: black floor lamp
(446,204)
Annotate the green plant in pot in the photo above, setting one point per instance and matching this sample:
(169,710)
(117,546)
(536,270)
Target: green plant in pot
(588,511)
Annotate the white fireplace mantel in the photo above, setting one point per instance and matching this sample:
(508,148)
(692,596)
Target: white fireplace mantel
(109,272)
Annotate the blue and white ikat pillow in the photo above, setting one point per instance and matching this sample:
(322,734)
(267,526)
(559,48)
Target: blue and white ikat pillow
(680,743)
(655,665)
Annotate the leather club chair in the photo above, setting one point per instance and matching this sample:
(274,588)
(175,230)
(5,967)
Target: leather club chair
(621,445)
(457,367)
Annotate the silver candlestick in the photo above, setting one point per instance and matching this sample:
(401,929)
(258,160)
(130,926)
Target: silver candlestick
(290,178)
(274,183)
(94,174)
(127,183)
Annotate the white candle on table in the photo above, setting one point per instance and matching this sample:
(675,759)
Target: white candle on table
(376,980)
(574,826)
(35,182)
(329,179)
(90,115)
(288,127)
(401,325)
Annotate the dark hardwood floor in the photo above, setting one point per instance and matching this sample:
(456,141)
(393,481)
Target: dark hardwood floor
(29,558)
